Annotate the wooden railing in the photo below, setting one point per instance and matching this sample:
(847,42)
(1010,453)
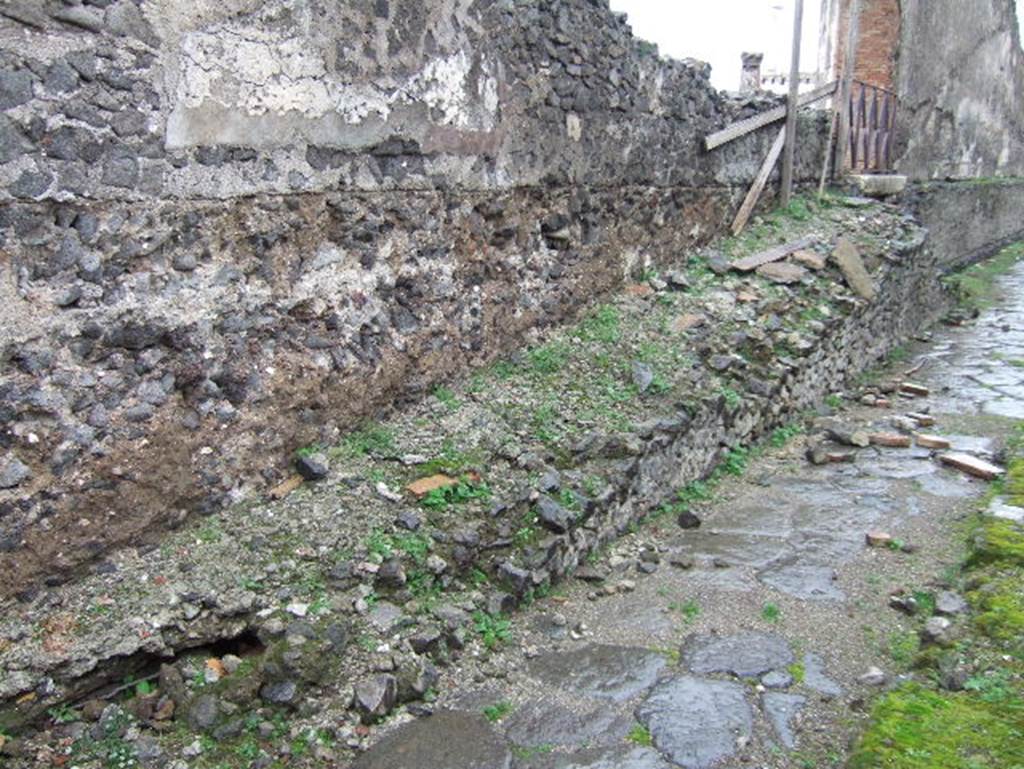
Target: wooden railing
(872,128)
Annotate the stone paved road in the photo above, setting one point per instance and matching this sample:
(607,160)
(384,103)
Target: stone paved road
(755,655)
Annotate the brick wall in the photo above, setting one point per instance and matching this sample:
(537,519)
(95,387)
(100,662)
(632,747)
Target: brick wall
(878,41)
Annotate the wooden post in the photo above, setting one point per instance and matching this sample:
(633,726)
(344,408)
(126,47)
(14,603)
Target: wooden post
(846,88)
(794,94)
(762,178)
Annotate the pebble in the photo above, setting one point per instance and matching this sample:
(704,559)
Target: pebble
(873,677)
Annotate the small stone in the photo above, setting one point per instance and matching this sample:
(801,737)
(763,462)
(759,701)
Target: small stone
(688,520)
(385,492)
(873,677)
(817,453)
(776,679)
(782,272)
(810,259)
(203,712)
(553,517)
(280,692)
(13,472)
(591,574)
(643,375)
(298,609)
(426,640)
(904,603)
(720,363)
(313,467)
(676,280)
(436,565)
(409,520)
(681,561)
(937,630)
(376,697)
(392,573)
(949,604)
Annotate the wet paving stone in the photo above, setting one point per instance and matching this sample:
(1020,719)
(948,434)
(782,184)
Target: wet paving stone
(616,673)
(445,740)
(538,725)
(742,654)
(620,757)
(804,581)
(816,679)
(696,722)
(781,710)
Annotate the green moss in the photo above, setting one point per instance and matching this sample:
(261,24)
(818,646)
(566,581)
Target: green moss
(997,541)
(977,285)
(999,603)
(1014,488)
(640,735)
(915,728)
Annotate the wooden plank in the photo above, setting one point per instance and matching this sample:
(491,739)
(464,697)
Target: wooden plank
(423,486)
(846,86)
(972,466)
(752,262)
(792,105)
(286,487)
(743,127)
(743,215)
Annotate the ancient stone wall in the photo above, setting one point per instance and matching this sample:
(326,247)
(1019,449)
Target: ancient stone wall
(233,228)
(968,221)
(961,87)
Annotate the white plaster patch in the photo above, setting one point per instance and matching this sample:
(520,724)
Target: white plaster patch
(258,71)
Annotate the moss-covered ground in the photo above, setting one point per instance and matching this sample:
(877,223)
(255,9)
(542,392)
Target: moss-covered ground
(927,726)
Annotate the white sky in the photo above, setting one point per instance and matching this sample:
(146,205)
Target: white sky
(718,31)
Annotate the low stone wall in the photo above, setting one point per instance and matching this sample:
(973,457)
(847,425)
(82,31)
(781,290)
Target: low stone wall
(555,494)
(676,451)
(969,220)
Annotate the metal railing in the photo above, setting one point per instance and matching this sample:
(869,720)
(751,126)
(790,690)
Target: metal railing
(872,128)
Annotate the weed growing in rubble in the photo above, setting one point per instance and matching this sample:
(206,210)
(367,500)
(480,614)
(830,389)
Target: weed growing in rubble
(640,735)
(497,711)
(447,398)
(782,435)
(458,493)
(493,629)
(732,398)
(770,612)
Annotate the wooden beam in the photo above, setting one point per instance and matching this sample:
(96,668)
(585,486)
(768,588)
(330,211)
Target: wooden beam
(792,105)
(846,88)
(752,262)
(828,154)
(743,127)
(762,178)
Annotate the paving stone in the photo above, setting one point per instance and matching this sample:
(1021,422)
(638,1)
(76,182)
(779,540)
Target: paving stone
(445,740)
(781,709)
(948,603)
(618,757)
(742,654)
(776,679)
(808,582)
(815,678)
(544,723)
(615,673)
(696,722)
